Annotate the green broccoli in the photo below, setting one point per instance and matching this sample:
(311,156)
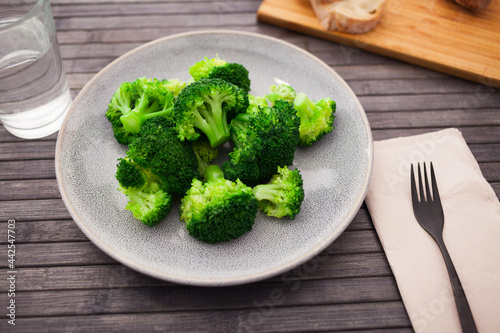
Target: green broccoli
(208,105)
(316,118)
(204,153)
(283,195)
(135,102)
(148,202)
(157,165)
(256,102)
(218,210)
(158,149)
(129,174)
(281,91)
(217,68)
(263,141)
(174,86)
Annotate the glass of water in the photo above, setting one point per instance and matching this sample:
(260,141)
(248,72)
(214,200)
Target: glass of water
(34,92)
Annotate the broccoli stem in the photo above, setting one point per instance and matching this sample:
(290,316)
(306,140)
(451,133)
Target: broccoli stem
(267,191)
(212,173)
(140,198)
(132,121)
(304,106)
(212,120)
(238,124)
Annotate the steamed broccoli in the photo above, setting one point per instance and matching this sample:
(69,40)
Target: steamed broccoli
(316,118)
(263,141)
(281,91)
(283,195)
(158,148)
(217,68)
(217,209)
(204,153)
(157,165)
(208,105)
(175,86)
(255,103)
(135,102)
(148,202)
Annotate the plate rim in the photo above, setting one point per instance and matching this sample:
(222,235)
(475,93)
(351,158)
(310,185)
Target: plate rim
(215,282)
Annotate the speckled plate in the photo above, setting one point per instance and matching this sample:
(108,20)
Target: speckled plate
(336,170)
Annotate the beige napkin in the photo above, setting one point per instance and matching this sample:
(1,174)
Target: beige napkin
(471,231)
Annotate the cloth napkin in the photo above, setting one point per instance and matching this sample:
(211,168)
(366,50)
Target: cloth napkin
(471,231)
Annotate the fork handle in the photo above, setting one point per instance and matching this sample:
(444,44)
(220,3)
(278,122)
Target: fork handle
(464,313)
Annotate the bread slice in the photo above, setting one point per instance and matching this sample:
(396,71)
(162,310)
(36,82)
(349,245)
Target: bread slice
(351,16)
(474,4)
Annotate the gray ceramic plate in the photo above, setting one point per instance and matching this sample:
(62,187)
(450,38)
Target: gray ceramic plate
(336,170)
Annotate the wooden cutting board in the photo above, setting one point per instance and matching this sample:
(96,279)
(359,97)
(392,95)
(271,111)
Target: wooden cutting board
(437,34)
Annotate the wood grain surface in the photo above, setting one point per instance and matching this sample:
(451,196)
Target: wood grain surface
(437,34)
(66,284)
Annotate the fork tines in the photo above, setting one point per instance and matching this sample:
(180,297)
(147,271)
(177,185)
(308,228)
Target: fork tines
(422,196)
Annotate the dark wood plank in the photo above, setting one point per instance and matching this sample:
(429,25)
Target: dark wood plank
(184,298)
(80,51)
(321,318)
(58,254)
(27,169)
(486,153)
(418,118)
(383,72)
(45,232)
(27,150)
(97,2)
(29,189)
(34,210)
(93,65)
(147,34)
(407,87)
(468,102)
(78,80)
(160,8)
(146,21)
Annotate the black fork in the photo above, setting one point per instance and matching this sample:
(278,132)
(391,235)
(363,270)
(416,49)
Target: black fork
(429,214)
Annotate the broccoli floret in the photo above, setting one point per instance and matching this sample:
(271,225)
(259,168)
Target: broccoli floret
(135,102)
(158,149)
(218,210)
(148,202)
(208,105)
(217,68)
(203,68)
(157,165)
(316,118)
(175,86)
(283,195)
(256,102)
(129,174)
(263,141)
(281,91)
(204,153)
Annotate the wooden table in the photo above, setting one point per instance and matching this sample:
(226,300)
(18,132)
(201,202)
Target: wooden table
(64,283)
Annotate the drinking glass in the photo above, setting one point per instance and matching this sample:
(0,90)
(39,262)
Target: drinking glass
(34,92)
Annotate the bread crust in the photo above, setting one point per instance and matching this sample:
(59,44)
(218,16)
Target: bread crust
(332,17)
(473,4)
